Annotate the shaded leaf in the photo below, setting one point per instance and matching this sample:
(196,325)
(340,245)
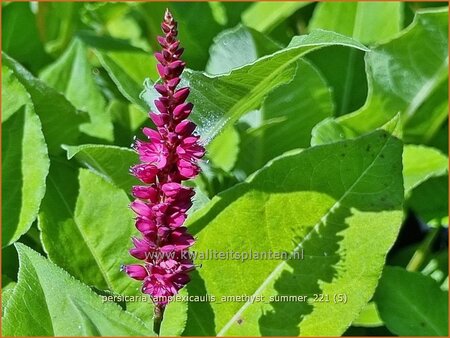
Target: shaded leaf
(412,304)
(429,200)
(110,162)
(72,75)
(60,121)
(21,38)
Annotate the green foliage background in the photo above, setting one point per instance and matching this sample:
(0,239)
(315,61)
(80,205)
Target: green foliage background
(326,126)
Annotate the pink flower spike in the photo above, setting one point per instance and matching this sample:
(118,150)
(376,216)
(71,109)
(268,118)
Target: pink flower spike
(169,156)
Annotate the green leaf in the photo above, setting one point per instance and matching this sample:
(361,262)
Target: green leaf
(175,317)
(7,291)
(223,150)
(366,22)
(429,200)
(289,114)
(47,301)
(72,75)
(20,37)
(25,165)
(57,24)
(414,84)
(412,304)
(60,121)
(369,317)
(93,229)
(327,202)
(110,162)
(420,163)
(128,66)
(237,47)
(345,76)
(127,119)
(223,99)
(115,19)
(128,70)
(265,16)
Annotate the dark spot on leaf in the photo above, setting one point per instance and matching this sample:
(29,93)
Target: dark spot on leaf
(382,155)
(368,148)
(343,155)
(240,321)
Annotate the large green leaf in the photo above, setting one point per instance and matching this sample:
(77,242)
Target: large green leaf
(47,301)
(25,160)
(111,162)
(412,304)
(366,22)
(237,47)
(265,16)
(414,84)
(60,121)
(21,38)
(220,100)
(330,203)
(72,75)
(93,229)
(289,114)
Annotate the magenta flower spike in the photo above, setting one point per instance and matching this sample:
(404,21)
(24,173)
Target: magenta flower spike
(167,159)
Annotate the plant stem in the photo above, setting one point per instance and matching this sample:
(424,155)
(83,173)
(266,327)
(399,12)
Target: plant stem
(157,318)
(423,250)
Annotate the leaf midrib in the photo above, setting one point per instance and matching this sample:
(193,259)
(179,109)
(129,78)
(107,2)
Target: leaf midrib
(315,228)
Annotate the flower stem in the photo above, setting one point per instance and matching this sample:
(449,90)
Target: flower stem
(157,318)
(423,250)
